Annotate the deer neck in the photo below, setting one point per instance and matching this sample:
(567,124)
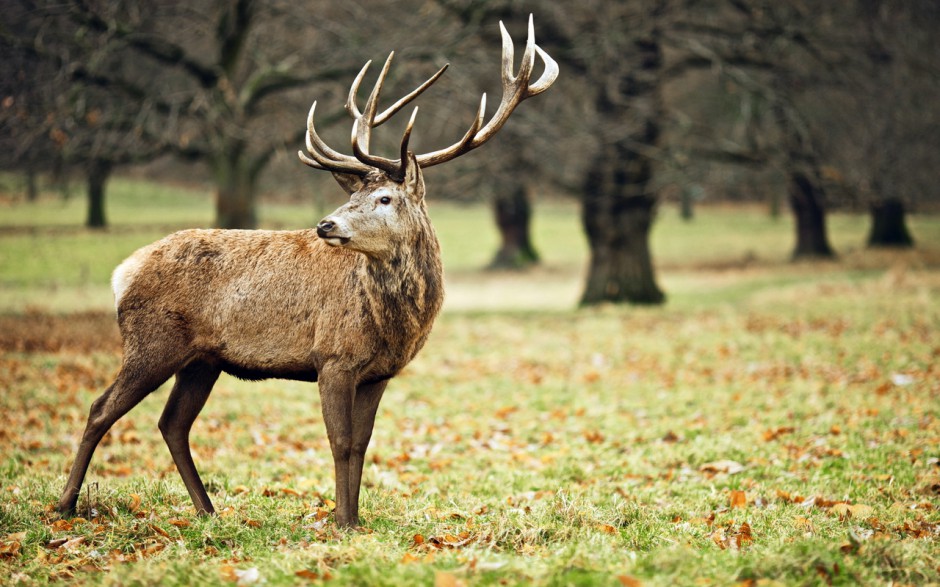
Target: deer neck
(404,291)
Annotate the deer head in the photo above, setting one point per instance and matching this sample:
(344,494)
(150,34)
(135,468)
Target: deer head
(383,190)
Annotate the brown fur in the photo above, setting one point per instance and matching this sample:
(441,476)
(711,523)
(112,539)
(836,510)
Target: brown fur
(274,304)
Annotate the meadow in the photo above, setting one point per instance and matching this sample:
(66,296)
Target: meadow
(772,424)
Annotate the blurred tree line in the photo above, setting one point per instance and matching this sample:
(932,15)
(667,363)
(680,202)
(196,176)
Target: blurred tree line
(822,105)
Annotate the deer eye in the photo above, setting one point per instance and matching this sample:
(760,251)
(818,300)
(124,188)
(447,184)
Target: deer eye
(385,200)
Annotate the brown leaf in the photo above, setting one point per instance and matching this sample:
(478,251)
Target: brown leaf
(846,511)
(726,467)
(134,503)
(179,522)
(737,499)
(10,549)
(61,526)
(73,543)
(307,574)
(774,434)
(445,579)
(804,524)
(152,549)
(628,581)
(593,436)
(159,530)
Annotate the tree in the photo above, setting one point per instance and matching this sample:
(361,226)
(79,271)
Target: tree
(900,82)
(772,52)
(513,212)
(55,111)
(609,140)
(215,75)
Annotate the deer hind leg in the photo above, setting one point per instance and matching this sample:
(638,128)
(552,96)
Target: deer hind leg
(192,388)
(134,382)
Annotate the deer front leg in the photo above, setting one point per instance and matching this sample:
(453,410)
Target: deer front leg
(336,398)
(365,405)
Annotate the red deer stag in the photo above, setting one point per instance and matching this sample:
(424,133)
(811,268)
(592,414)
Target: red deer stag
(348,309)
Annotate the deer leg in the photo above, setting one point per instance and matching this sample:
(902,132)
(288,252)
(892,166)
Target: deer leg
(192,388)
(132,384)
(336,398)
(363,419)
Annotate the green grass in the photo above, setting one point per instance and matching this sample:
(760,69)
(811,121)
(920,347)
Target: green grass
(773,424)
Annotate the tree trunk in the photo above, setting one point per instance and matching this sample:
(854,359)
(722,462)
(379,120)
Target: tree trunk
(618,207)
(513,215)
(235,205)
(99,171)
(806,201)
(32,186)
(889,225)
(617,214)
(686,207)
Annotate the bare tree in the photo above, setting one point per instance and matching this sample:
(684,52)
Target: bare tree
(899,79)
(606,147)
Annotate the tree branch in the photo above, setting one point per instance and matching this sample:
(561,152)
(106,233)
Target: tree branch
(158,49)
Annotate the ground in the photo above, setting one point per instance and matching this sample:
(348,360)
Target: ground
(773,423)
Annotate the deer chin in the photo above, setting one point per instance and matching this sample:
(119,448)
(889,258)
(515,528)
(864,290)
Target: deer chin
(336,241)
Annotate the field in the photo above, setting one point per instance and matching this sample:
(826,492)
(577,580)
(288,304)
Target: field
(772,424)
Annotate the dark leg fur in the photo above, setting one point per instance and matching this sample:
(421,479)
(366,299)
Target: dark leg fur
(190,392)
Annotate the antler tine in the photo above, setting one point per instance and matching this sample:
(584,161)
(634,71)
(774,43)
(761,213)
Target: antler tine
(406,136)
(364,133)
(394,108)
(321,156)
(363,124)
(516,88)
(548,76)
(354,89)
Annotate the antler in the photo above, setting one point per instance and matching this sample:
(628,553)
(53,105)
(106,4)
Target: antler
(321,156)
(516,88)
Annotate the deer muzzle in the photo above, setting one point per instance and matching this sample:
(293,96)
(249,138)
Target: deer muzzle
(327,230)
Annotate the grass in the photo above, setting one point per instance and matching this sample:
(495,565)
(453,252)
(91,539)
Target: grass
(773,424)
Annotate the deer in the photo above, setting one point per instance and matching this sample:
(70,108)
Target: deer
(347,305)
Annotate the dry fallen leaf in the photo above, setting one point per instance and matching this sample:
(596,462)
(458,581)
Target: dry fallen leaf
(726,467)
(737,499)
(159,530)
(846,511)
(445,579)
(307,574)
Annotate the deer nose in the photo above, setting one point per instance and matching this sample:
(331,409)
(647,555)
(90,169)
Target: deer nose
(324,228)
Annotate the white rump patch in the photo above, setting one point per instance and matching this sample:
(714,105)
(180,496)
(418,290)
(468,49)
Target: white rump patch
(123,276)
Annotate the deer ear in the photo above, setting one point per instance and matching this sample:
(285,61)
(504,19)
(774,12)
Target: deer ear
(349,182)
(414,179)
